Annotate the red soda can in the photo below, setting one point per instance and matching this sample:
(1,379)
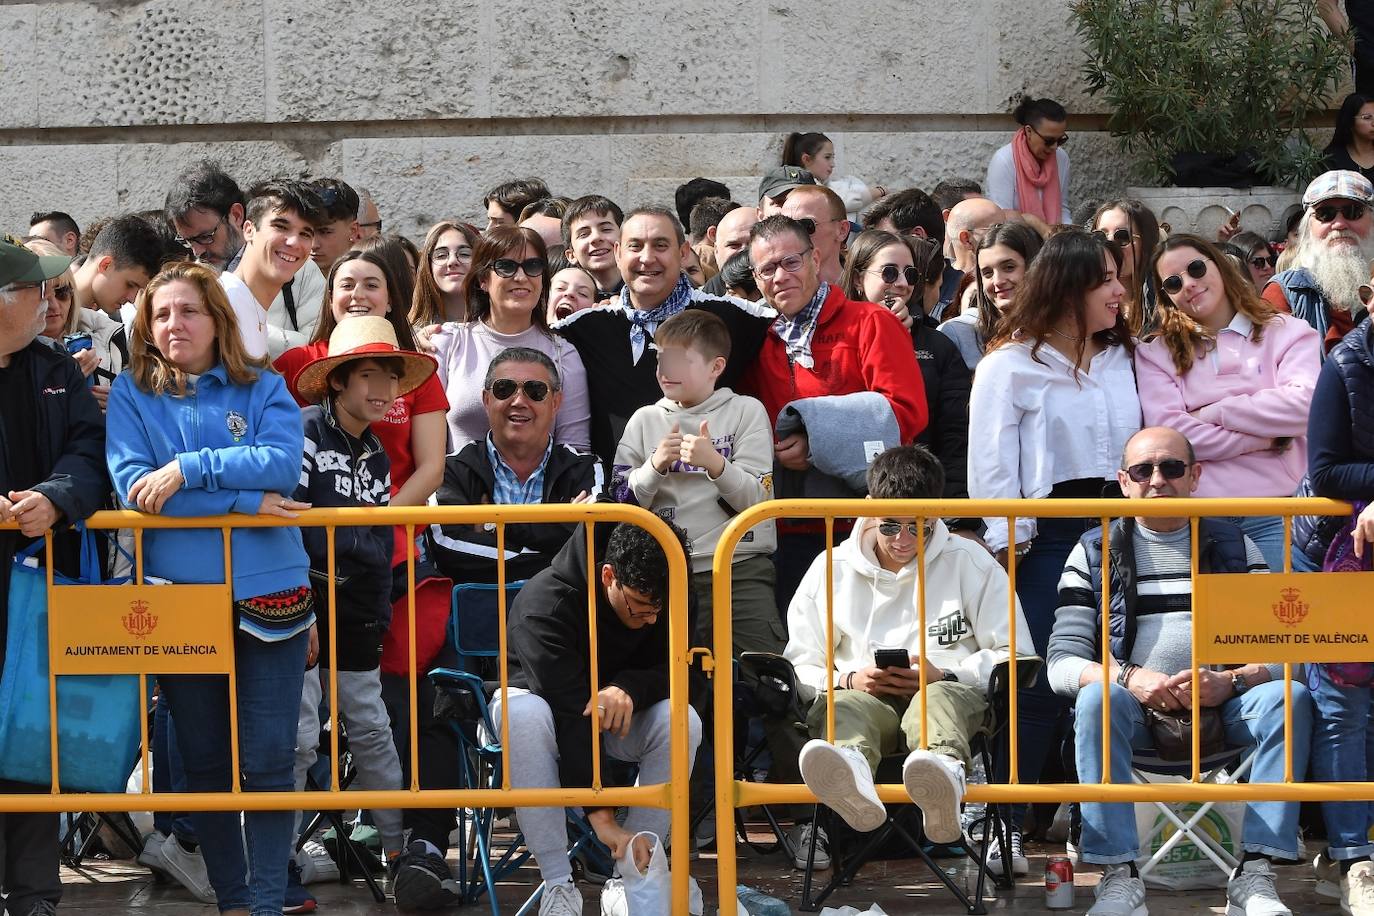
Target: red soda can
(1058,883)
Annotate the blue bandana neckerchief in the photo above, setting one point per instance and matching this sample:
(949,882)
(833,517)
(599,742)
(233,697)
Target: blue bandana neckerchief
(644,323)
(796,332)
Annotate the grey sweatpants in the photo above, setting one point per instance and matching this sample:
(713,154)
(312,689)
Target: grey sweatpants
(534,765)
(369,739)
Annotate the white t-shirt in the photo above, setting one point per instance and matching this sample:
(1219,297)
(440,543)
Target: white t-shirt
(252,317)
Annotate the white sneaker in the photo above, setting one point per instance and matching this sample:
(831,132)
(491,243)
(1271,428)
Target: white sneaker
(562,899)
(1251,891)
(1119,894)
(1328,873)
(1357,889)
(1020,865)
(317,865)
(842,781)
(936,783)
(801,838)
(151,855)
(188,868)
(613,902)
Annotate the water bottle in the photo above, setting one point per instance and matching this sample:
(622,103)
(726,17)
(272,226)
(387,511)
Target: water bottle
(756,903)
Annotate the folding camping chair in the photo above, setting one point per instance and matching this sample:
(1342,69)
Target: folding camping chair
(1226,768)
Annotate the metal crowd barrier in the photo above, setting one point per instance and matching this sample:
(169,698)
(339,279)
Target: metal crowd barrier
(1305,606)
(95,613)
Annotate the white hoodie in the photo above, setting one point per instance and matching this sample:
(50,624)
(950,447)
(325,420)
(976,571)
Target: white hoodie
(966,610)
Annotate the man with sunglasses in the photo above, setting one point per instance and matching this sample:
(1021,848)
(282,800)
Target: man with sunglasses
(822,211)
(877,573)
(517,464)
(1149,667)
(553,708)
(1335,247)
(52,475)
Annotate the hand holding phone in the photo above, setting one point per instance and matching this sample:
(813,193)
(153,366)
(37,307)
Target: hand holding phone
(891,658)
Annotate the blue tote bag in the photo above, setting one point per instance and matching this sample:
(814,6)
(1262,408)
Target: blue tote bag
(97,715)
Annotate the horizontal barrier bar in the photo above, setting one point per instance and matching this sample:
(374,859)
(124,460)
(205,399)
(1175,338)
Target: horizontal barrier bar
(749,794)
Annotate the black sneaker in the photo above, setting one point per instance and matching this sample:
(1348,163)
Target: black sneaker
(420,880)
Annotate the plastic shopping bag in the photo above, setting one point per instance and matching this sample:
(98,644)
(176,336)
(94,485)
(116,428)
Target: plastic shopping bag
(646,893)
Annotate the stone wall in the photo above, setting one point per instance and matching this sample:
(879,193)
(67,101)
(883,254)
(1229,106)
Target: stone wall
(102,102)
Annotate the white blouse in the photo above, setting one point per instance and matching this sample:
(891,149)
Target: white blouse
(1034,424)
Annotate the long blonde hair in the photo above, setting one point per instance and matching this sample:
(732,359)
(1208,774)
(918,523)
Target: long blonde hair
(155,373)
(1185,338)
(42,246)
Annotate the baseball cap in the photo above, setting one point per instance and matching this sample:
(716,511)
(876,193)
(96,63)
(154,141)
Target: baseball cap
(1339,183)
(783,179)
(19,265)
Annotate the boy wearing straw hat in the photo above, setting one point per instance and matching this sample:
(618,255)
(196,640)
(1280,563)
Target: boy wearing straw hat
(344,465)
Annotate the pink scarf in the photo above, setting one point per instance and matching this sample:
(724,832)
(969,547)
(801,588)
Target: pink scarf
(1037,183)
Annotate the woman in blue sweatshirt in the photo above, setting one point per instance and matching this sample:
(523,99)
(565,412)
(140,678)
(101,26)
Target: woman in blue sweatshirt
(196,428)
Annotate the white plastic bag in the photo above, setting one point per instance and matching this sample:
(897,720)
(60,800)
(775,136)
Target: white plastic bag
(646,893)
(1185,867)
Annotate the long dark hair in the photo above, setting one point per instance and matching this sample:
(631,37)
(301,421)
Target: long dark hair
(397,314)
(427,307)
(1145,228)
(866,247)
(1345,121)
(797,145)
(502,242)
(1021,238)
(1067,268)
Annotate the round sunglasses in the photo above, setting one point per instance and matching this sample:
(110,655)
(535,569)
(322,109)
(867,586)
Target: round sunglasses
(503,389)
(1173,284)
(1122,237)
(890,273)
(892,529)
(1326,213)
(506,267)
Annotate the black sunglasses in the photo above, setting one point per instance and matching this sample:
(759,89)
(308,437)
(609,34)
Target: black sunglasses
(1122,237)
(892,529)
(1050,141)
(506,267)
(503,389)
(1197,269)
(1327,213)
(1259,261)
(890,273)
(1171,468)
(62,293)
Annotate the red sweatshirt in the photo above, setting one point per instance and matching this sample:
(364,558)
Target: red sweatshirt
(857,346)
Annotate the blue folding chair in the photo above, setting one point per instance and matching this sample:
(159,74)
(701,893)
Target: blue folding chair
(474,624)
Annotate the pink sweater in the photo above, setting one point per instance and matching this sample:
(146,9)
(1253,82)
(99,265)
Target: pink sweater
(1235,401)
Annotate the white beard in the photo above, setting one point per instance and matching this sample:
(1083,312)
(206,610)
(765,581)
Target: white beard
(1339,272)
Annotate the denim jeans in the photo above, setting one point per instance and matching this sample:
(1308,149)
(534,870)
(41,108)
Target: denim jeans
(270,675)
(1254,719)
(168,773)
(1267,533)
(1343,751)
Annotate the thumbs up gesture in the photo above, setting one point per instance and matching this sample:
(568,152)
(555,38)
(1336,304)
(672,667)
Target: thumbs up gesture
(699,451)
(668,450)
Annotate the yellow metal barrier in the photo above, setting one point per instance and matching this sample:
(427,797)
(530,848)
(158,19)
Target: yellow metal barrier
(98,602)
(1220,607)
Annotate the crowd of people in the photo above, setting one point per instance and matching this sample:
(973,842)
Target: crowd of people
(269,349)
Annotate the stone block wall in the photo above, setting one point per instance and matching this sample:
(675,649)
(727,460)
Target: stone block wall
(102,102)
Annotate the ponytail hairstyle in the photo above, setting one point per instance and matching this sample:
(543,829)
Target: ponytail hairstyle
(798,145)
(1185,338)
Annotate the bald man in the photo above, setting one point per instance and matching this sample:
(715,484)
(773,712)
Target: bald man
(731,237)
(826,210)
(968,219)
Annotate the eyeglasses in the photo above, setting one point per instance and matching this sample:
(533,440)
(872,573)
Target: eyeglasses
(790,263)
(503,389)
(377,225)
(62,293)
(1171,468)
(41,286)
(506,267)
(207,237)
(890,273)
(1197,269)
(1351,211)
(461,253)
(1259,261)
(1050,141)
(892,529)
(1122,237)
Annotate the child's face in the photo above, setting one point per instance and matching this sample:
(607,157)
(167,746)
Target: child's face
(570,290)
(593,239)
(370,391)
(685,375)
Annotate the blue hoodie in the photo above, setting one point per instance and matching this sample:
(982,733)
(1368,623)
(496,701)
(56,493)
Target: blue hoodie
(233,442)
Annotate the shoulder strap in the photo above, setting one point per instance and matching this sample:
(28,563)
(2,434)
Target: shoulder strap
(289,300)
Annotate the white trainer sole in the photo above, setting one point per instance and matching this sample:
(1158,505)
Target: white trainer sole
(827,773)
(929,785)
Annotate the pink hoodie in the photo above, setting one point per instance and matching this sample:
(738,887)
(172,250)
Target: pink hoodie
(1235,401)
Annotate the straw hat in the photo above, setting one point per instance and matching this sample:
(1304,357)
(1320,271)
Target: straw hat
(364,337)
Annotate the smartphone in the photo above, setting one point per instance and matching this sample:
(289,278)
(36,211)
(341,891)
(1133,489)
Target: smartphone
(891,658)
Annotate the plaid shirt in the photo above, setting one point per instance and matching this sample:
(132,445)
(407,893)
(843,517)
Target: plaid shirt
(509,491)
(796,332)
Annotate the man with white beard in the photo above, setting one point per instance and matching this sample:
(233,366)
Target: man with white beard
(1335,248)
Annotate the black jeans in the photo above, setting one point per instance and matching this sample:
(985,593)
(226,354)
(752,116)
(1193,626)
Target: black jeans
(28,855)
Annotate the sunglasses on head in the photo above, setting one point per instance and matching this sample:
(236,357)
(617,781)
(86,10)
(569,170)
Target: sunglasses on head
(503,389)
(506,267)
(1171,468)
(892,529)
(890,272)
(1350,210)
(1197,269)
(1261,261)
(1122,237)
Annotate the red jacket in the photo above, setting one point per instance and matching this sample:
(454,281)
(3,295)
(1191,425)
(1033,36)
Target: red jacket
(857,346)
